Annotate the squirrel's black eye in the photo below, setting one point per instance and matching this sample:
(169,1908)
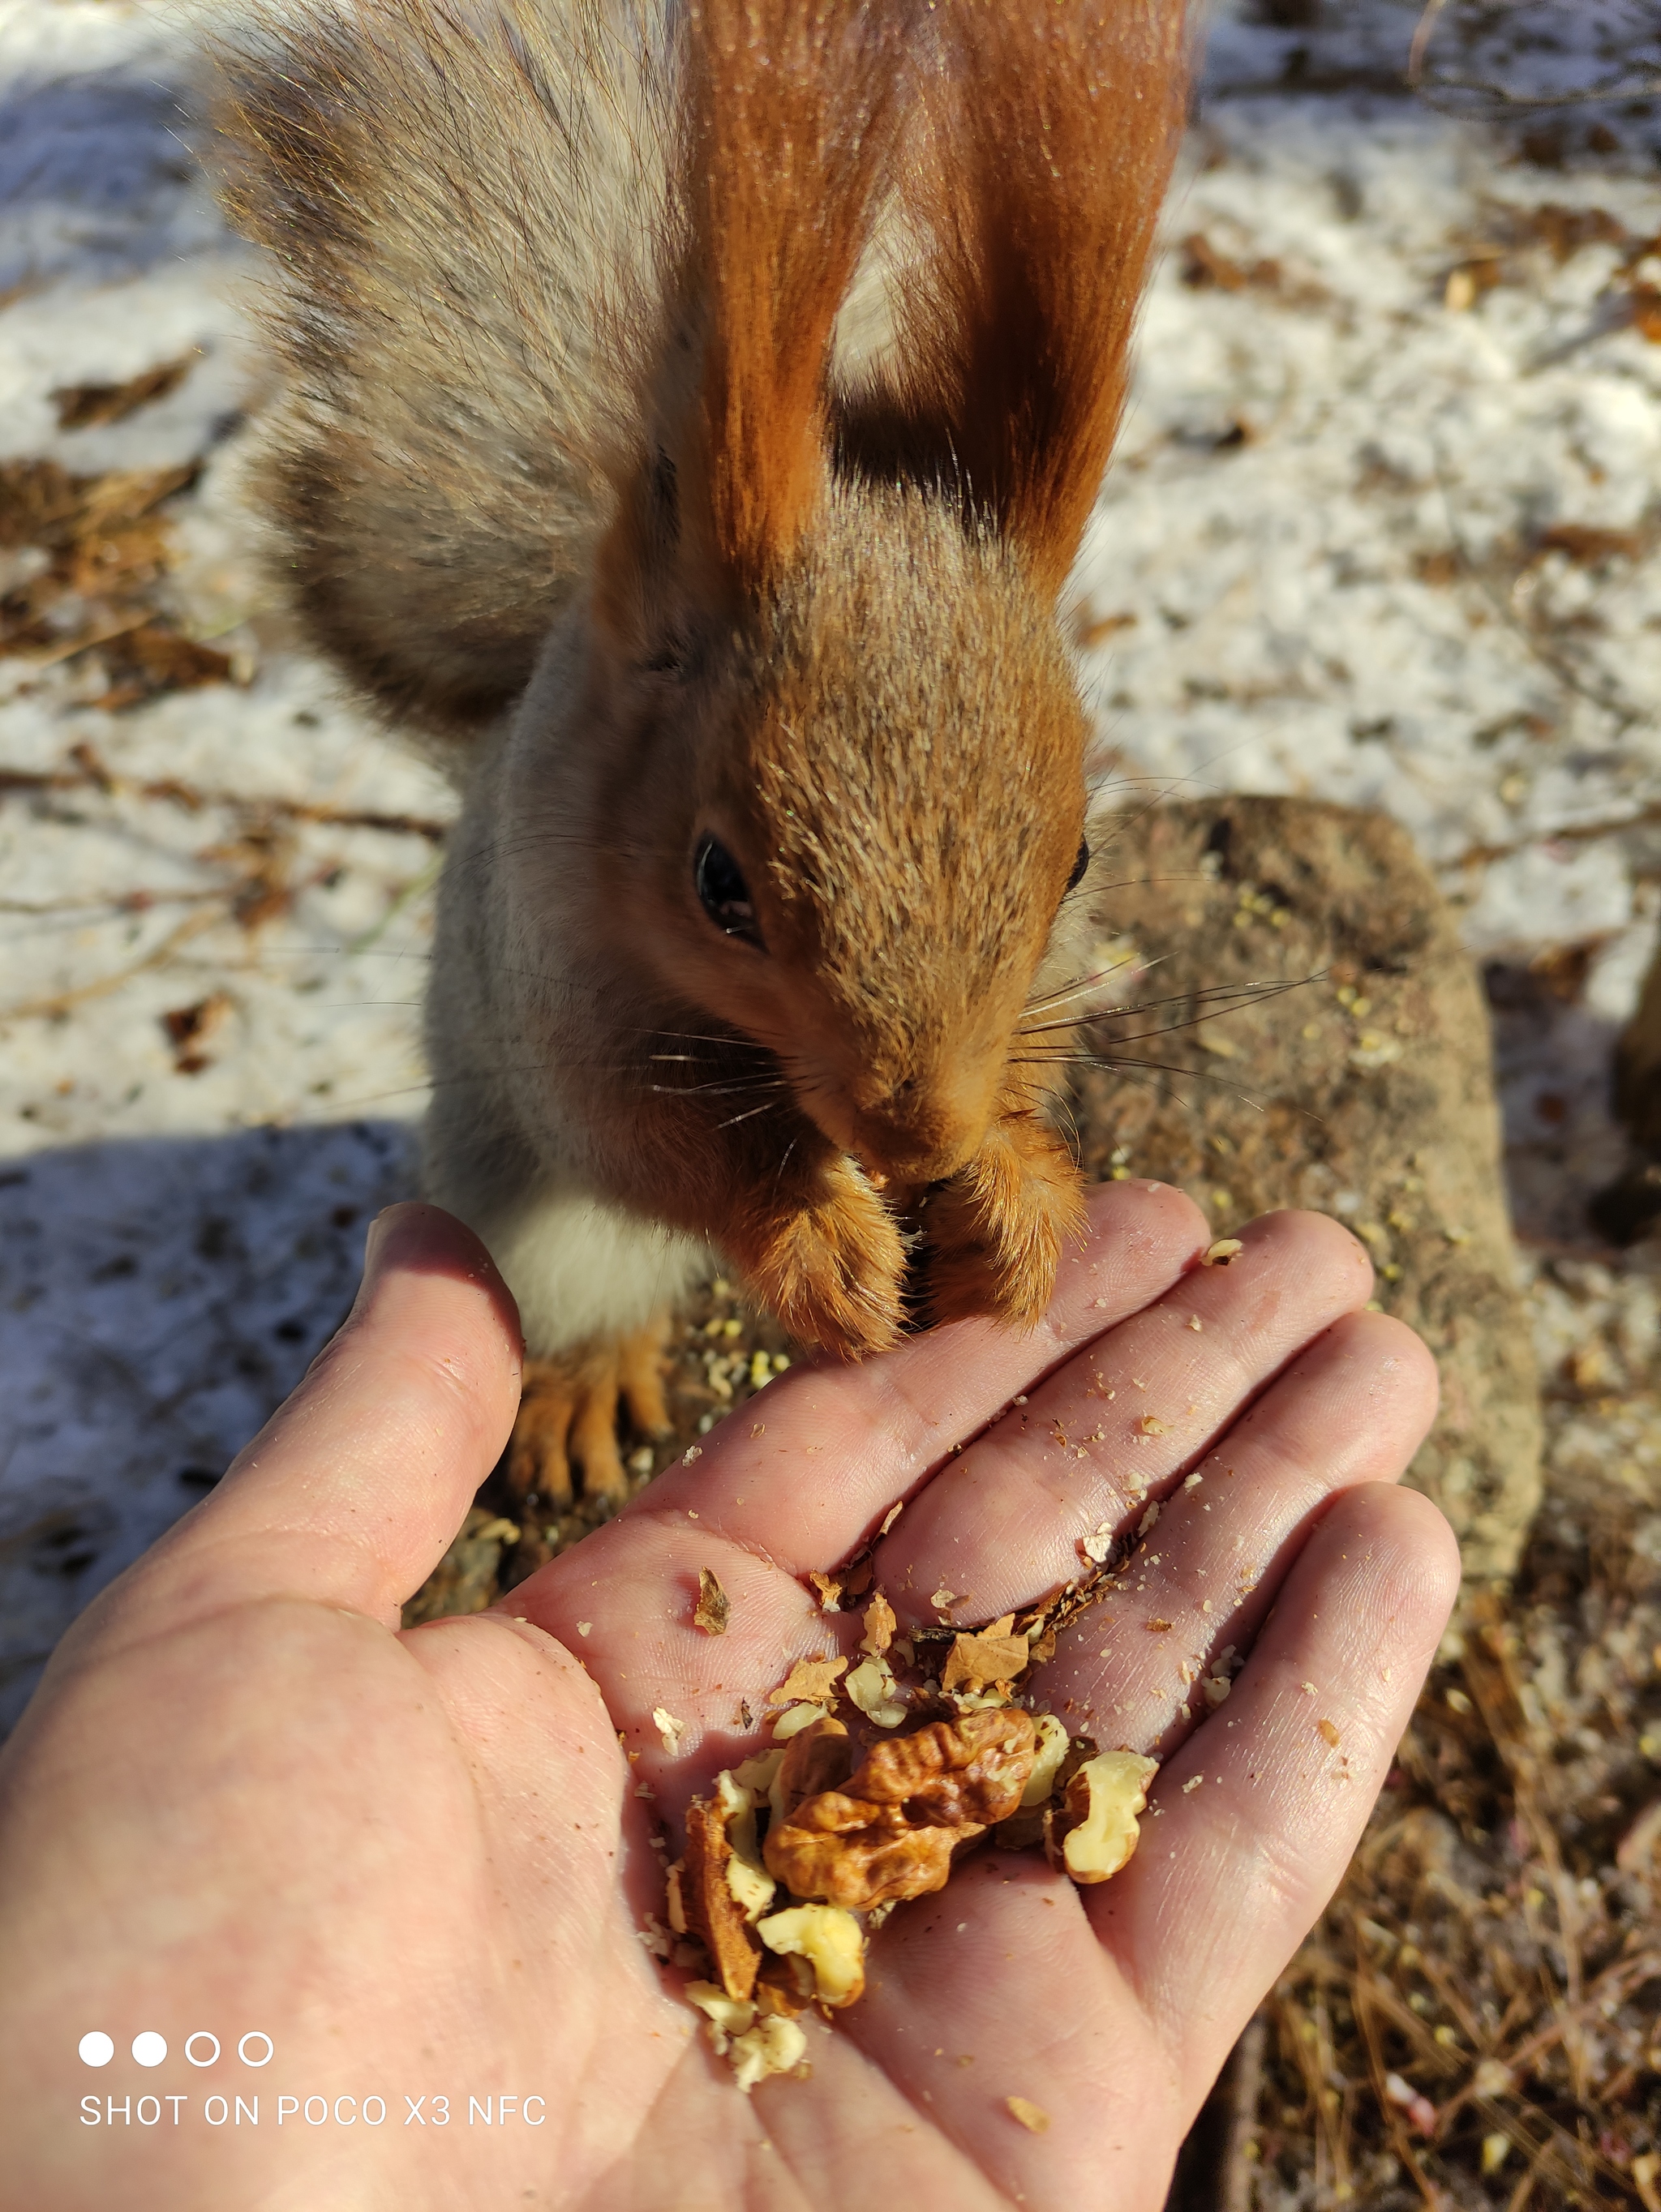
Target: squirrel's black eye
(723,892)
(1079,865)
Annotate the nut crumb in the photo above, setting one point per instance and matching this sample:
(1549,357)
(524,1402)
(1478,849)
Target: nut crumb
(691,1452)
(669,1729)
(583,1628)
(1033,2117)
(714,1608)
(1195,1323)
(880,1626)
(1329,1732)
(829,1590)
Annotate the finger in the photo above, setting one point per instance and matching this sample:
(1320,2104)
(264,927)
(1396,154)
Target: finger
(808,1467)
(796,1480)
(1259,1812)
(1156,1654)
(1120,1424)
(353,1489)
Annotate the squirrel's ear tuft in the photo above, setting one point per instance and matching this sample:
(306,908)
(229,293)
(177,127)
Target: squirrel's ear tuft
(1051,127)
(789,118)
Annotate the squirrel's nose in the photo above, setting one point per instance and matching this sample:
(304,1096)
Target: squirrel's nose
(918,1131)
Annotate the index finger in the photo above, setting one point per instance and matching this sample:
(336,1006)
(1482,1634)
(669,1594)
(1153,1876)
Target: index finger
(809,1467)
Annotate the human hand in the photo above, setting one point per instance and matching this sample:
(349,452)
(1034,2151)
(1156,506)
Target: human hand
(243,1801)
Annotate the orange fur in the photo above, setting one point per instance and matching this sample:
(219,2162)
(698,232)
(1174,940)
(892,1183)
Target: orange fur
(790,108)
(578,461)
(1052,128)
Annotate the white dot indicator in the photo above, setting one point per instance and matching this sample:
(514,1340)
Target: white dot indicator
(149,2049)
(96,2049)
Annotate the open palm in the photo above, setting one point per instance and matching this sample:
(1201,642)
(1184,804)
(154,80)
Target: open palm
(419,1862)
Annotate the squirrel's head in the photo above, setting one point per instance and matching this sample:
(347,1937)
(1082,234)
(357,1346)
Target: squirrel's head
(884,811)
(840,590)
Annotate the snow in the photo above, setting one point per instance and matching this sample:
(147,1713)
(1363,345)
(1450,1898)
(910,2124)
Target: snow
(1318,566)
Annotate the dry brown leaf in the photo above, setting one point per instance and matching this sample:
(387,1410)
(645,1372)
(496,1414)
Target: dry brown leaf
(189,1027)
(879,1626)
(976,1661)
(89,406)
(714,1608)
(811,1682)
(1033,2117)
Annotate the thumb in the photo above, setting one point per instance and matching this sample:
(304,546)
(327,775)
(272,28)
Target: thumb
(354,1488)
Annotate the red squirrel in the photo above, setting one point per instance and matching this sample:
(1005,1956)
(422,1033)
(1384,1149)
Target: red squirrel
(691,416)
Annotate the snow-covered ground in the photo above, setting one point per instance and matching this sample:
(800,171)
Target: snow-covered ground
(1382,529)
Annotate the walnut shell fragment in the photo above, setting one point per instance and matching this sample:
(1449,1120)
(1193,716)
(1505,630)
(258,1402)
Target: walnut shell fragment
(812,1679)
(1103,1800)
(714,1608)
(706,1901)
(890,1830)
(995,1655)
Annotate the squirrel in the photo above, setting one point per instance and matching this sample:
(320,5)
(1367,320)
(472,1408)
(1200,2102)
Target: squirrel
(691,415)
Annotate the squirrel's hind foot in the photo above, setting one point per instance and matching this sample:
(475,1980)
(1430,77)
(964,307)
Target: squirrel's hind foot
(567,1412)
(993,1237)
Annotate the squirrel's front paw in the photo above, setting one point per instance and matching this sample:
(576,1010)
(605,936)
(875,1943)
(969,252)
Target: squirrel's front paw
(993,1236)
(568,1410)
(832,1271)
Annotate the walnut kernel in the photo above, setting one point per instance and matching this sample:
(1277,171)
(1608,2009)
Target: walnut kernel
(1104,1799)
(831,1940)
(890,1830)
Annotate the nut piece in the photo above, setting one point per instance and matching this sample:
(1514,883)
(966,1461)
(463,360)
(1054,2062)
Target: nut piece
(874,1690)
(994,1656)
(748,1880)
(776,2045)
(879,1626)
(831,1941)
(1052,1750)
(1103,1799)
(756,2047)
(820,1756)
(890,1830)
(812,1679)
(709,1905)
(714,1608)
(797,1717)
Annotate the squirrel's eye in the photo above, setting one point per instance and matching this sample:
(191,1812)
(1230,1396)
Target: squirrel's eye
(1079,866)
(723,892)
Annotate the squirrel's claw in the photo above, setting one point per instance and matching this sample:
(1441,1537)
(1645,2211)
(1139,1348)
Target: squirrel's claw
(568,1410)
(993,1234)
(833,1271)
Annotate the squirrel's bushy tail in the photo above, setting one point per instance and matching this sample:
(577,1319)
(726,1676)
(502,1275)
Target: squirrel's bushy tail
(468,209)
